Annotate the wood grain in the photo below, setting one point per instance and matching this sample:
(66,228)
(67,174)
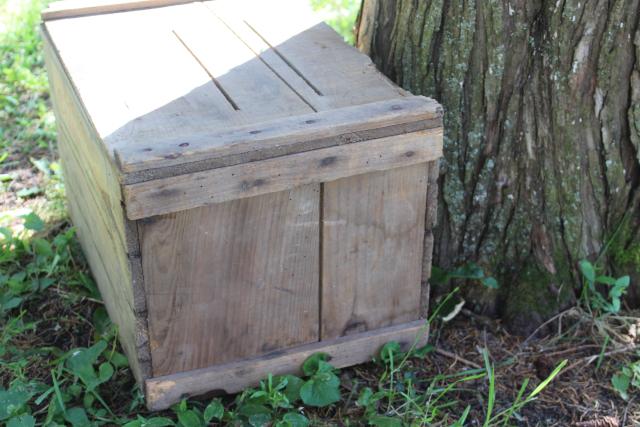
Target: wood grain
(372,236)
(232,280)
(289,135)
(281,173)
(430,219)
(162,392)
(94,201)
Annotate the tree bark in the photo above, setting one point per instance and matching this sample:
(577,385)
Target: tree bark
(542,137)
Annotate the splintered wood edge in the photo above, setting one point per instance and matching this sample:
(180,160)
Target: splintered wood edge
(162,392)
(74,8)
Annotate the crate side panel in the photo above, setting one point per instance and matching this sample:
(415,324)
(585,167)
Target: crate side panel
(94,201)
(232,280)
(372,239)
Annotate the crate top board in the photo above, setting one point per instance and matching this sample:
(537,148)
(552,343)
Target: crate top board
(174,89)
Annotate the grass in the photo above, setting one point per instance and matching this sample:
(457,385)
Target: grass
(60,362)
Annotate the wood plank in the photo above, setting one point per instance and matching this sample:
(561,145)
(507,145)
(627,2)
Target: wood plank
(255,91)
(430,219)
(74,8)
(348,78)
(281,173)
(162,392)
(229,13)
(232,280)
(372,236)
(139,85)
(261,140)
(94,199)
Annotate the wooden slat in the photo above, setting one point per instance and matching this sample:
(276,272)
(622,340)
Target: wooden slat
(166,157)
(162,392)
(342,74)
(255,91)
(94,200)
(281,173)
(373,227)
(231,15)
(430,219)
(139,84)
(232,280)
(75,8)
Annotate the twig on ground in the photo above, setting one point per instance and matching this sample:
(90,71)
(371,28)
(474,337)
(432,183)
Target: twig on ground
(457,358)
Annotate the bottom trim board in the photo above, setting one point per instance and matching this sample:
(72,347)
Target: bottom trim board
(162,392)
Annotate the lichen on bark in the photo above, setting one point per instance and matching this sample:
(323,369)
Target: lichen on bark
(542,132)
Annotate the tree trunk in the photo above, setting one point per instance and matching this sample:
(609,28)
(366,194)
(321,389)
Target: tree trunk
(542,137)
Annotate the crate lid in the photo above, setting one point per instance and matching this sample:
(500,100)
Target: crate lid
(176,87)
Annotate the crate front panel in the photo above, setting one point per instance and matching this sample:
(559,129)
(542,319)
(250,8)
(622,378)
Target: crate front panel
(232,280)
(243,278)
(372,240)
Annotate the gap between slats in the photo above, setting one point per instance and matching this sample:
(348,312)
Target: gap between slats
(215,81)
(258,56)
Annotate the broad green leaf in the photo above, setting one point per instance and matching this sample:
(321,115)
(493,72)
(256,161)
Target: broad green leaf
(260,420)
(256,414)
(105,372)
(389,351)
(158,422)
(587,270)
(33,222)
(621,384)
(365,397)
(311,365)
(7,302)
(24,420)
(606,280)
(42,247)
(189,418)
(81,364)
(13,400)
(77,417)
(381,421)
(293,419)
(321,390)
(119,360)
(623,282)
(214,410)
(150,422)
(292,390)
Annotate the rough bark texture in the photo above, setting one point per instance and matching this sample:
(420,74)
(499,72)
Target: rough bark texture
(542,136)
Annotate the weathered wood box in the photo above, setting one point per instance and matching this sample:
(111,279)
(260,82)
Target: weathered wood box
(247,188)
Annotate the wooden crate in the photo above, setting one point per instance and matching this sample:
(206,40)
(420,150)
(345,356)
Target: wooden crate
(247,188)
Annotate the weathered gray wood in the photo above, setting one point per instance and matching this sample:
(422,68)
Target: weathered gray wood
(94,199)
(232,280)
(218,185)
(372,236)
(162,392)
(75,8)
(431,212)
(343,75)
(167,157)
